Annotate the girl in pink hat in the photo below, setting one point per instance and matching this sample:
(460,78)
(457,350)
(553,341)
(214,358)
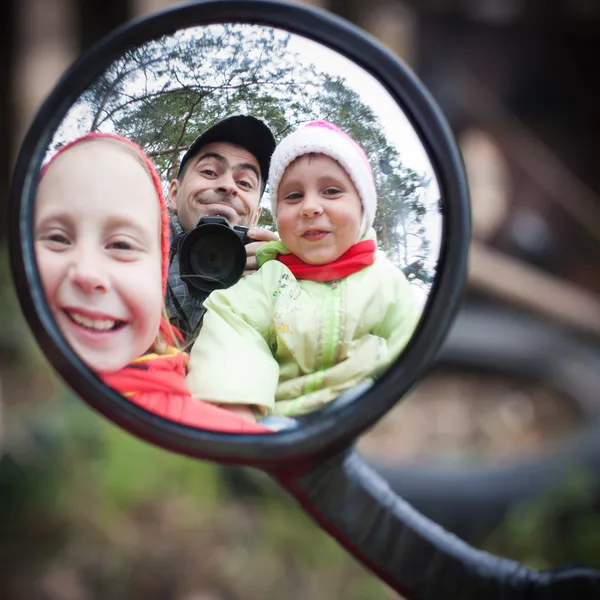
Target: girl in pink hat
(102,249)
(326,310)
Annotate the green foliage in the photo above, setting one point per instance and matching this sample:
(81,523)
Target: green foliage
(266,219)
(562,527)
(164,93)
(127,519)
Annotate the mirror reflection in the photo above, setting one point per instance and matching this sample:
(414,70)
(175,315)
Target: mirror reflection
(232,236)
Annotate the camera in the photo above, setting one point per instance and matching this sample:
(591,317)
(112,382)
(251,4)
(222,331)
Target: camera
(212,256)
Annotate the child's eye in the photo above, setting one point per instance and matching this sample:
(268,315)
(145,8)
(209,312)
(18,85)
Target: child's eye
(122,246)
(58,238)
(293,197)
(55,240)
(333,191)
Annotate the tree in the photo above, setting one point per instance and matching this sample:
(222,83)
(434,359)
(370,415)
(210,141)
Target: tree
(404,202)
(163,93)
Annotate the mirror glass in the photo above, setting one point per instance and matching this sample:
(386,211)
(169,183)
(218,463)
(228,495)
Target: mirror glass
(354,232)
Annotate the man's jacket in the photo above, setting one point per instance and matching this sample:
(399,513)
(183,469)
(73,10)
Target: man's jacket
(185,310)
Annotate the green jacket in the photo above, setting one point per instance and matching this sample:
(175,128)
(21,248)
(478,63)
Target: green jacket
(289,347)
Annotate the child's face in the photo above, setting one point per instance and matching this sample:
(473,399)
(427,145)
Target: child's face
(319,211)
(97,241)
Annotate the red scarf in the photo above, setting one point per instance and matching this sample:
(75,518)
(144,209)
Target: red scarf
(151,373)
(358,257)
(157,383)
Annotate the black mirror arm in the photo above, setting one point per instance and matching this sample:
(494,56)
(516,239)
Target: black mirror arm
(412,554)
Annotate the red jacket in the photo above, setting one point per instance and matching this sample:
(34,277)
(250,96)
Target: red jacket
(157,383)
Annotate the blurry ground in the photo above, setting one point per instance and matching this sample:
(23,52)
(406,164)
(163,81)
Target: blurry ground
(465,417)
(88,512)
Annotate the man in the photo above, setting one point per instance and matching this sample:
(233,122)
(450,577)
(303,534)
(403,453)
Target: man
(223,173)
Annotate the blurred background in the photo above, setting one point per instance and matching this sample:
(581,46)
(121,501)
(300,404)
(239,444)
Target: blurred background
(500,442)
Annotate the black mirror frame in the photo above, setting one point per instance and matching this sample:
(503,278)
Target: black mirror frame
(334,427)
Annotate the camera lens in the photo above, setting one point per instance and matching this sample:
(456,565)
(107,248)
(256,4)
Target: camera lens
(212,257)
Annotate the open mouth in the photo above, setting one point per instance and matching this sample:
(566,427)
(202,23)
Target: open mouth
(314,234)
(96,325)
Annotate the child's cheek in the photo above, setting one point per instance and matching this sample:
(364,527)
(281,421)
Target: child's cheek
(48,265)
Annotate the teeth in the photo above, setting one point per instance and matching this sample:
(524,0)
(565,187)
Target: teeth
(96,324)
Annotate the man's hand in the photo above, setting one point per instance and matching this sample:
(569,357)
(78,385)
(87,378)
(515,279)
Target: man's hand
(262,236)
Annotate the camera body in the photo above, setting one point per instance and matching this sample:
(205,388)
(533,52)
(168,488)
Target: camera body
(212,256)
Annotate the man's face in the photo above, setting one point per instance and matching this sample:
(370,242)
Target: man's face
(221,180)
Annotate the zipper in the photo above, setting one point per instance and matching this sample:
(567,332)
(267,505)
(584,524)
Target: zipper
(331,337)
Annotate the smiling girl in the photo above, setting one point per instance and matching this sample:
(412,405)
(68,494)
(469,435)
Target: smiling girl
(325,311)
(102,248)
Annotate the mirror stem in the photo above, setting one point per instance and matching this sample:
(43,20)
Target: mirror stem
(409,552)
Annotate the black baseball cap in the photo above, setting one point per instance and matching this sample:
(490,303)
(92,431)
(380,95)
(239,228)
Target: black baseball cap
(242,130)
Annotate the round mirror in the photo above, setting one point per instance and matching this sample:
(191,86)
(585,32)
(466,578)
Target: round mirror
(240,234)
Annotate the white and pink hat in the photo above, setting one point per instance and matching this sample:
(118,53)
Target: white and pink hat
(322,137)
